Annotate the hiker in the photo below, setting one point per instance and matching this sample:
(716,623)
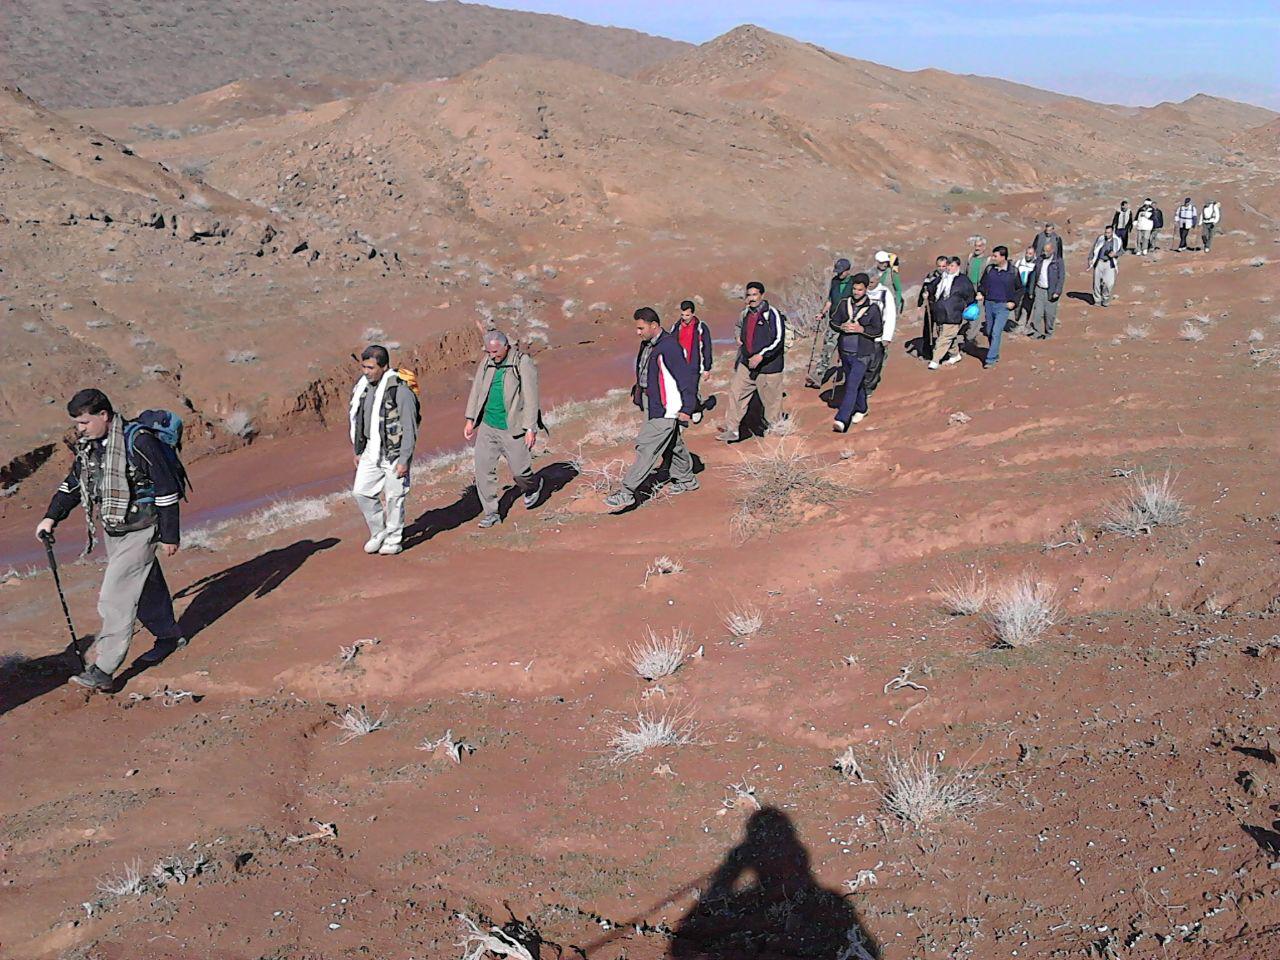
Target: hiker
(1050,232)
(1211,217)
(1122,223)
(837,293)
(694,338)
(665,390)
(1157,224)
(384,420)
(757,370)
(502,416)
(1025,265)
(882,295)
(1050,275)
(858,347)
(128,477)
(952,297)
(926,300)
(1186,217)
(1144,222)
(999,291)
(887,267)
(1102,261)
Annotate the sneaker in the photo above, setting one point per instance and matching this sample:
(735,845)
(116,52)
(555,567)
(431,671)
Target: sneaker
(94,679)
(727,436)
(696,417)
(955,359)
(489,520)
(162,649)
(857,418)
(374,544)
(390,549)
(838,426)
(687,486)
(812,384)
(988,366)
(533,496)
(933,364)
(619,501)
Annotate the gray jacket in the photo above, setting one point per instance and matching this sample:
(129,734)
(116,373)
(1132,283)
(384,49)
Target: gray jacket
(519,390)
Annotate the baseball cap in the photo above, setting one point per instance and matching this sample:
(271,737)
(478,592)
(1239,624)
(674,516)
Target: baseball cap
(882,256)
(842,265)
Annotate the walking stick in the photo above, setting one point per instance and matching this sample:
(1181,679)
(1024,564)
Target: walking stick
(813,350)
(57,582)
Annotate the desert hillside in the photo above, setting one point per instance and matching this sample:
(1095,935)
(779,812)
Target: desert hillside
(76,53)
(992,675)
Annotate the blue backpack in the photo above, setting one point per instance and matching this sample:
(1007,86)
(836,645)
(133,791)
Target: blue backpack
(165,426)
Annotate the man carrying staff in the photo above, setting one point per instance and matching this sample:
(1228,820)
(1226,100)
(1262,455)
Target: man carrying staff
(666,391)
(927,300)
(837,293)
(502,417)
(131,485)
(384,421)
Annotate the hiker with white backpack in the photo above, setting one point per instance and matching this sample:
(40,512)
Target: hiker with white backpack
(1210,217)
(128,476)
(384,418)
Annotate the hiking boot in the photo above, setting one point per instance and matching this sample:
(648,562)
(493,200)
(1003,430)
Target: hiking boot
(374,544)
(685,486)
(533,497)
(94,679)
(620,500)
(489,520)
(162,649)
(390,549)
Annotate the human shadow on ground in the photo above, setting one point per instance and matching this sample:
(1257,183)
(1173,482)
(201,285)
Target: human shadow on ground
(23,680)
(431,523)
(764,901)
(1081,296)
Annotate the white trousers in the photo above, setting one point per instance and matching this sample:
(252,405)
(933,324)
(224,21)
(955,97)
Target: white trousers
(376,481)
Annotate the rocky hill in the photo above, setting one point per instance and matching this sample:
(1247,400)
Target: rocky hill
(82,53)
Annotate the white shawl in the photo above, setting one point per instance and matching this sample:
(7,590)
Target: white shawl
(373,449)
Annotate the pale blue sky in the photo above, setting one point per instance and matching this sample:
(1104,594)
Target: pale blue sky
(1118,52)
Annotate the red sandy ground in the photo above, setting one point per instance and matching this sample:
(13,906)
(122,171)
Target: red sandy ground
(1127,758)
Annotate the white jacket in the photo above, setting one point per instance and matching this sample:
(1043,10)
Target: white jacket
(1145,219)
(888,310)
(1212,212)
(1187,215)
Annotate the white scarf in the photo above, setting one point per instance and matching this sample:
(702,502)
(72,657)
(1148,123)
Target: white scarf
(373,449)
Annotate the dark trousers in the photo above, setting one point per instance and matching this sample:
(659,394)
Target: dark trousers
(875,367)
(1182,237)
(855,387)
(1124,237)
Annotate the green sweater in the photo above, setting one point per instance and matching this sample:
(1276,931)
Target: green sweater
(495,406)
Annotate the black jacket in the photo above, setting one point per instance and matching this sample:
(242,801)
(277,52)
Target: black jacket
(769,339)
(866,312)
(950,309)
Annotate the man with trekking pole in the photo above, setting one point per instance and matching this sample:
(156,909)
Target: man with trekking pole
(837,293)
(127,476)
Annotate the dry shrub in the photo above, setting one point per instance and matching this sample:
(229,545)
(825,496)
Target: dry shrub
(773,485)
(1149,502)
(659,655)
(1022,611)
(920,792)
(648,731)
(962,596)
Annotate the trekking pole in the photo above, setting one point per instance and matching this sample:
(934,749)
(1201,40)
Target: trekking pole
(813,352)
(57,582)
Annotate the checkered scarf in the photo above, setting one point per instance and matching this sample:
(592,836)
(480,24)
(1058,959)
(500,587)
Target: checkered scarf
(112,501)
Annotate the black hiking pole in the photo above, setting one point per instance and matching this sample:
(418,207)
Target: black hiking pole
(57,582)
(813,352)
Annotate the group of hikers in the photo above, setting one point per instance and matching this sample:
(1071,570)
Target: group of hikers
(128,474)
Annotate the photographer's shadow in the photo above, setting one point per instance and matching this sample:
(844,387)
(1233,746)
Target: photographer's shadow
(763,901)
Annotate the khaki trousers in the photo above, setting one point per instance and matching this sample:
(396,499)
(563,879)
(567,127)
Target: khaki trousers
(492,446)
(133,588)
(945,336)
(743,385)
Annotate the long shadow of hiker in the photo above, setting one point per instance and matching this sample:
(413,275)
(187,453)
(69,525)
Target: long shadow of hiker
(763,901)
(23,680)
(432,523)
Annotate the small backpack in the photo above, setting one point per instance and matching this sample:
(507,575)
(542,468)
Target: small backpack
(410,379)
(165,426)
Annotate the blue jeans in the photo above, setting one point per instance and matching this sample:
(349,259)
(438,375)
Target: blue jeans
(855,389)
(997,316)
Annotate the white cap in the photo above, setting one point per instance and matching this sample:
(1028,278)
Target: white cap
(882,256)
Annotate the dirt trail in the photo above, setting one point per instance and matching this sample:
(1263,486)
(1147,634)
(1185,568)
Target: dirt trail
(1126,757)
